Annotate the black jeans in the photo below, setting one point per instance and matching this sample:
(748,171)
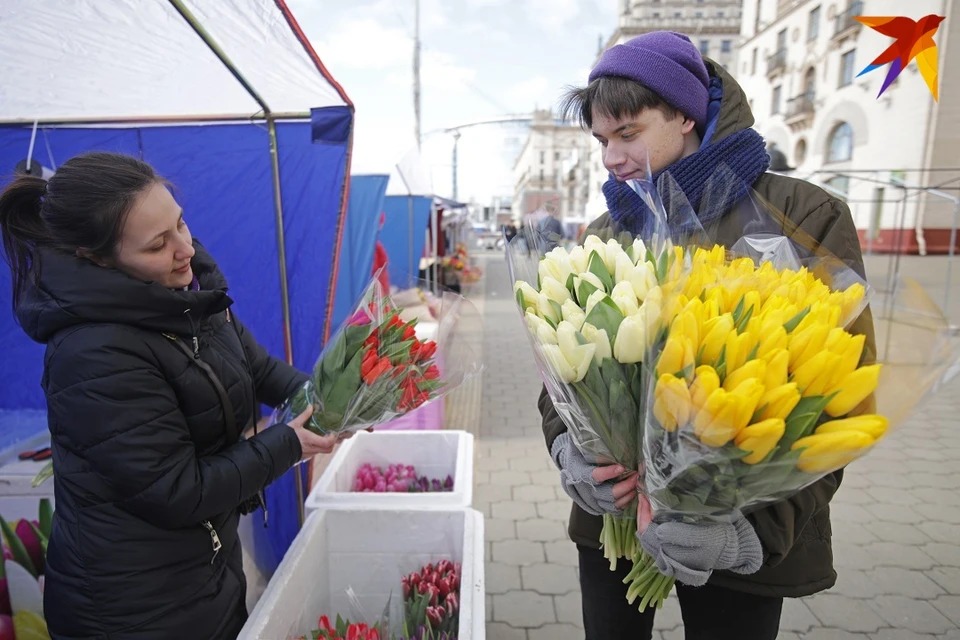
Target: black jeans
(709,612)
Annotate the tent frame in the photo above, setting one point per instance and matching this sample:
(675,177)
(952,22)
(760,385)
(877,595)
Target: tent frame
(264,115)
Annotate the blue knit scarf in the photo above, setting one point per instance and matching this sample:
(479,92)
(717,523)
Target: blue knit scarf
(724,171)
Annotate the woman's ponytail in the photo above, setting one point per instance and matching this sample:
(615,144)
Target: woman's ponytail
(22,228)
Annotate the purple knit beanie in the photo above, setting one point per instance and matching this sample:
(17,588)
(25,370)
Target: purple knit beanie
(666,63)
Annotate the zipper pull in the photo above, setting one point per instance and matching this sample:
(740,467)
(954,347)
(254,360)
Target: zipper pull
(215,539)
(196,347)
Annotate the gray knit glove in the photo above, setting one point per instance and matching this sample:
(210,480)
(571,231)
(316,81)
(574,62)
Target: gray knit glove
(690,552)
(576,477)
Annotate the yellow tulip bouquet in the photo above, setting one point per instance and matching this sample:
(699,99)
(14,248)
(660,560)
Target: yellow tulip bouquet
(731,378)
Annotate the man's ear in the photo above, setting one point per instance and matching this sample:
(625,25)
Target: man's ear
(687,125)
(85,254)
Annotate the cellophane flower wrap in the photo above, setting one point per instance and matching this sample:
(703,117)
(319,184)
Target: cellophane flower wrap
(375,368)
(590,313)
(770,370)
(765,369)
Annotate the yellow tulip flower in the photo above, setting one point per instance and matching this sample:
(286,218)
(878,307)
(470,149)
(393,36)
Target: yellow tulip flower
(738,348)
(816,374)
(753,369)
(705,382)
(805,344)
(777,367)
(748,395)
(872,425)
(852,389)
(671,402)
(771,341)
(676,356)
(760,439)
(778,402)
(825,452)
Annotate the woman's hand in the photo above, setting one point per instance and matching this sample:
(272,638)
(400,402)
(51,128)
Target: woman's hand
(311,443)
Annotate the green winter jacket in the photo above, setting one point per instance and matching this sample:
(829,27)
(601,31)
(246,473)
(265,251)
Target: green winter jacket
(795,533)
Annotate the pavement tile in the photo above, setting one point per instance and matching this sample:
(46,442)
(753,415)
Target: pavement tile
(523,609)
(501,578)
(556,632)
(897,581)
(513,510)
(846,614)
(501,631)
(899,634)
(533,493)
(517,552)
(796,616)
(949,606)
(569,608)
(541,530)
(902,612)
(946,577)
(549,579)
(563,552)
(496,529)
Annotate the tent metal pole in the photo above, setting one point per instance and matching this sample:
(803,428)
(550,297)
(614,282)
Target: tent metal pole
(146,120)
(277,202)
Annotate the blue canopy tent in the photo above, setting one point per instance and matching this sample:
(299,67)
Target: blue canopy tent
(359,238)
(237,111)
(404,234)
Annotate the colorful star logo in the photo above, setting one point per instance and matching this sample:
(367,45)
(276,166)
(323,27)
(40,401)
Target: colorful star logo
(914,40)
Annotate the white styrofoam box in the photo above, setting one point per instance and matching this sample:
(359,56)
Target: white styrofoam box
(435,454)
(368,551)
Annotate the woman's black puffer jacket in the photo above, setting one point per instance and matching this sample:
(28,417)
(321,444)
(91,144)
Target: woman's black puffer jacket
(146,471)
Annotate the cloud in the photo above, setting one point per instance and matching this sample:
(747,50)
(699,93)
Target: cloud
(364,43)
(482,4)
(552,14)
(530,92)
(438,71)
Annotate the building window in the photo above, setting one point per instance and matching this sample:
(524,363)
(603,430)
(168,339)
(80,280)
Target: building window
(677,14)
(777,96)
(699,14)
(719,14)
(541,176)
(813,24)
(846,68)
(656,14)
(726,46)
(840,186)
(840,143)
(704,47)
(556,155)
(800,152)
(753,62)
(543,157)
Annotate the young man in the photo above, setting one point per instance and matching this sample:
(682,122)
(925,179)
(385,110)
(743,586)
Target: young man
(656,96)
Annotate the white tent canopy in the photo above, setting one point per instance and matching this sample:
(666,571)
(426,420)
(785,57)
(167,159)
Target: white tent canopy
(74,61)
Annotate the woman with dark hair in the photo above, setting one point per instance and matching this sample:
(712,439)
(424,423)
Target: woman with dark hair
(150,382)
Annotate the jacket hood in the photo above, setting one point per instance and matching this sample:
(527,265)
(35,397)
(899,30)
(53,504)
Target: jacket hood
(72,291)
(735,114)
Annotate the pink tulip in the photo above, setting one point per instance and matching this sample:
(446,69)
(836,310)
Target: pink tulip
(31,542)
(6,628)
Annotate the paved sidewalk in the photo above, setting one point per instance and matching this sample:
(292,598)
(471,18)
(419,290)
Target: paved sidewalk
(896,518)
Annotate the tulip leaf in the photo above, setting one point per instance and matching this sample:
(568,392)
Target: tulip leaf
(803,418)
(15,544)
(606,315)
(345,387)
(333,359)
(742,324)
(792,324)
(721,366)
(43,475)
(571,286)
(662,265)
(753,353)
(593,381)
(584,291)
(521,301)
(599,269)
(738,311)
(557,309)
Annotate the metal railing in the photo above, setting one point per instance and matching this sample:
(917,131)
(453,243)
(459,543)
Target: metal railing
(800,106)
(845,21)
(777,62)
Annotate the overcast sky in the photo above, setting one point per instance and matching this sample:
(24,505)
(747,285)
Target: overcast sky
(480,59)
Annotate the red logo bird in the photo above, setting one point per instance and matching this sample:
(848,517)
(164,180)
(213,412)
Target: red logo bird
(914,40)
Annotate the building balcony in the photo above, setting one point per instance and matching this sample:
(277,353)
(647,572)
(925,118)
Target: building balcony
(800,111)
(683,24)
(777,63)
(844,24)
